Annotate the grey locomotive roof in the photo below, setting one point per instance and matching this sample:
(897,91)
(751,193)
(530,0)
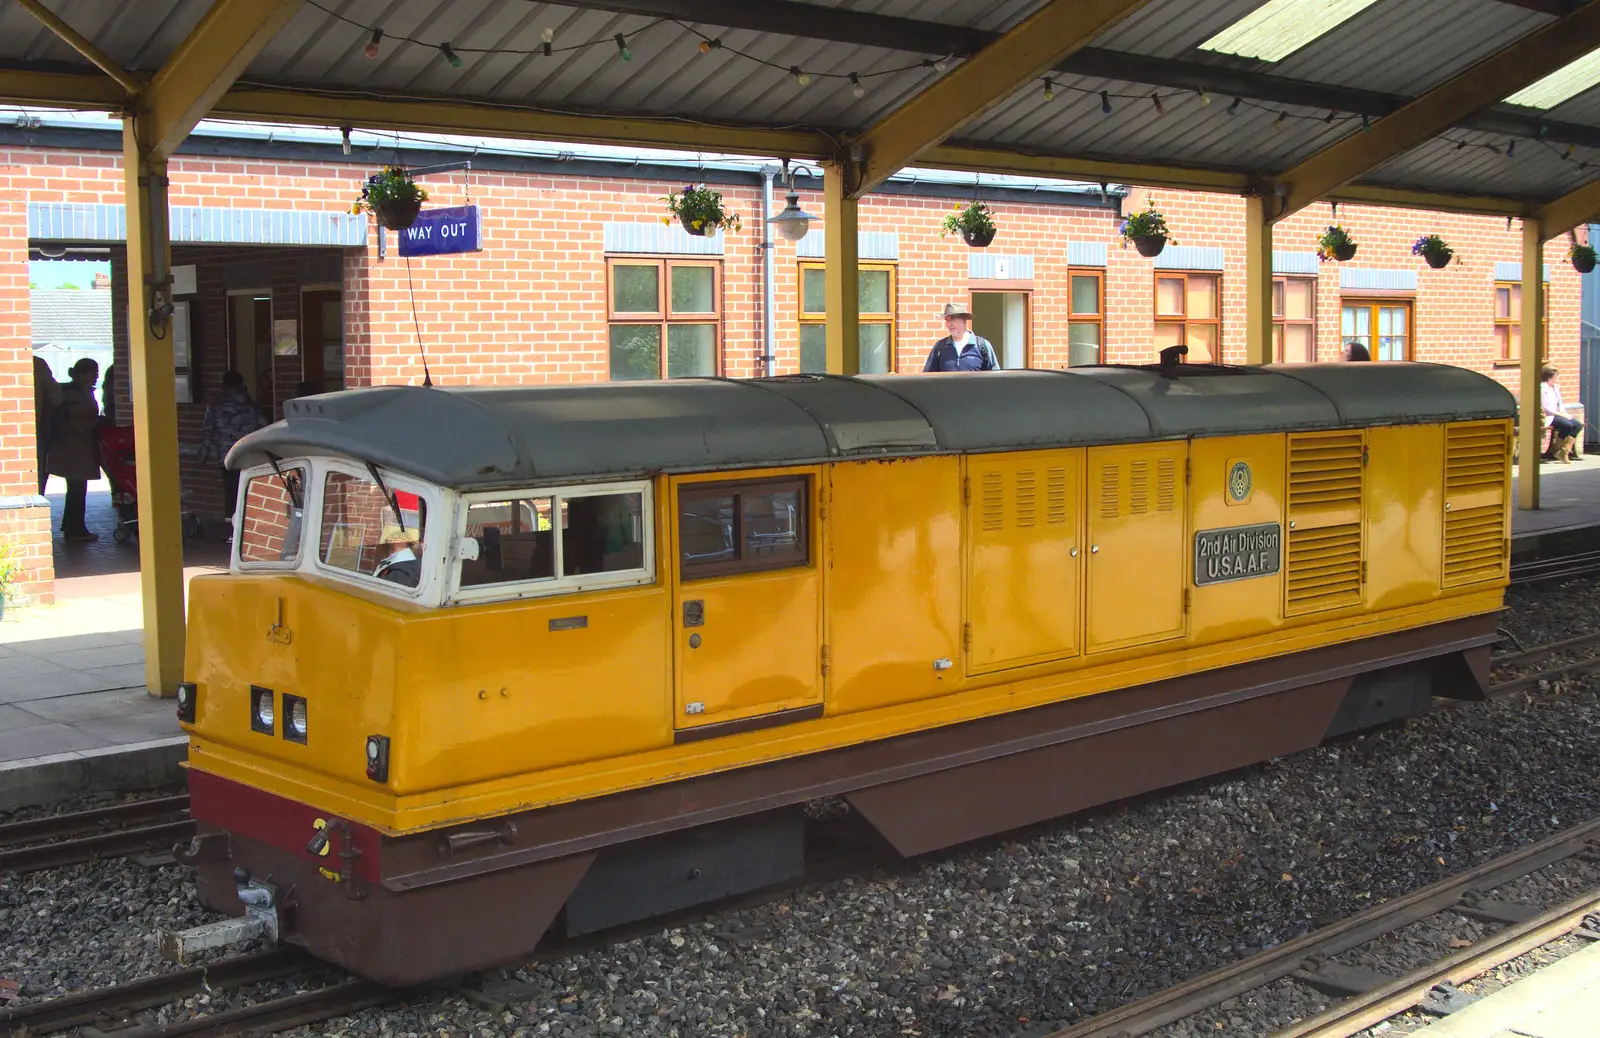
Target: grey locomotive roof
(482,437)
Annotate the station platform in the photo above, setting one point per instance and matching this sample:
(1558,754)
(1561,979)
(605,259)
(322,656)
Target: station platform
(75,718)
(1562,1000)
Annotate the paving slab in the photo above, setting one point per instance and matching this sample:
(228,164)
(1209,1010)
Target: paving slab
(1560,1001)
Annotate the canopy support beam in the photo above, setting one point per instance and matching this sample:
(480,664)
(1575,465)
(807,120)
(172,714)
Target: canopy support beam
(1530,415)
(130,83)
(155,412)
(1258,279)
(204,66)
(1496,77)
(1026,51)
(841,272)
(1572,209)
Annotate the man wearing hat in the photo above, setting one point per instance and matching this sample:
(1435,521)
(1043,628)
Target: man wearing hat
(961,350)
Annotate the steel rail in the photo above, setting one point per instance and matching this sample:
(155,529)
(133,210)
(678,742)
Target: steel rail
(1537,571)
(278,1014)
(92,819)
(1354,1015)
(122,1000)
(111,844)
(1211,989)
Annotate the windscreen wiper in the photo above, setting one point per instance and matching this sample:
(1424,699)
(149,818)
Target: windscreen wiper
(394,502)
(292,488)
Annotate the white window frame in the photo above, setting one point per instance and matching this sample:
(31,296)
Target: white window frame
(513,590)
(433,556)
(237,519)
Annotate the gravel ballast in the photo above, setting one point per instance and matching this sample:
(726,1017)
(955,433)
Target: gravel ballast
(1009,937)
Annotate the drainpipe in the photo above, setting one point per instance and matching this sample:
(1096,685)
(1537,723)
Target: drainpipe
(769,334)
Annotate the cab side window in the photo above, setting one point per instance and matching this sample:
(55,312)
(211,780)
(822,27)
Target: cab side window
(726,528)
(554,537)
(367,532)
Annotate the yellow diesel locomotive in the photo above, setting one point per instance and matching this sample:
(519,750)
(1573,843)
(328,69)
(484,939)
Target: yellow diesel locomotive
(490,661)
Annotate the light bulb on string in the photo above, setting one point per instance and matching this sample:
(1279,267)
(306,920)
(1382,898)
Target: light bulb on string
(705,46)
(547,36)
(803,78)
(1205,98)
(1233,109)
(449,55)
(1161,109)
(344,138)
(1511,149)
(371,49)
(1049,89)
(1460,145)
(1277,124)
(940,64)
(1366,124)
(1105,103)
(1333,113)
(1568,153)
(856,86)
(622,47)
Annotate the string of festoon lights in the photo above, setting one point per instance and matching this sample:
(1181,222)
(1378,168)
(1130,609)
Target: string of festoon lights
(1110,101)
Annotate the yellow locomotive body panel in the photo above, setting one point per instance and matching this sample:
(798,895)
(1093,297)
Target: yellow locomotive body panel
(935,590)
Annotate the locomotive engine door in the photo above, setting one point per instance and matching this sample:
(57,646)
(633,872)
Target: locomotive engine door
(1138,569)
(1025,557)
(747,622)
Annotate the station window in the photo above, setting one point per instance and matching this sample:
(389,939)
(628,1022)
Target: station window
(1383,326)
(665,318)
(366,532)
(728,528)
(877,307)
(1086,323)
(1508,320)
(1294,319)
(1189,311)
(270,529)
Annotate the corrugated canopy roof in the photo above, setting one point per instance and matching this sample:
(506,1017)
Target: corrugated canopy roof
(806,78)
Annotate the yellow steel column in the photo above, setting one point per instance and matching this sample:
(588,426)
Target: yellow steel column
(155,413)
(1258,281)
(1530,416)
(842,273)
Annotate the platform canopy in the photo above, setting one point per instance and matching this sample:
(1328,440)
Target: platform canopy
(1477,105)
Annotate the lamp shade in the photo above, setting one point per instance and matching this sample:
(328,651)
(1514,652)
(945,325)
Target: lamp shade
(793,222)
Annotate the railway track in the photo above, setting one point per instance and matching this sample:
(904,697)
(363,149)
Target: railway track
(1536,571)
(145,825)
(102,832)
(1306,959)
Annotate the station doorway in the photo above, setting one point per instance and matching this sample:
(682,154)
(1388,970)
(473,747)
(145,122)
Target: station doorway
(1002,318)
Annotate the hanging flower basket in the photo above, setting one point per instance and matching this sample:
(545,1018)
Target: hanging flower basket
(1582,257)
(1147,230)
(973,221)
(393,197)
(700,211)
(1150,244)
(978,237)
(1335,244)
(1434,249)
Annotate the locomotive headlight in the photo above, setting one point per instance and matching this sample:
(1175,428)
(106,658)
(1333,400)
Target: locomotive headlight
(188,700)
(378,758)
(294,718)
(262,714)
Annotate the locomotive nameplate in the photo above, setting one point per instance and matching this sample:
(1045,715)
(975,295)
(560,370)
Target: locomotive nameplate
(1237,553)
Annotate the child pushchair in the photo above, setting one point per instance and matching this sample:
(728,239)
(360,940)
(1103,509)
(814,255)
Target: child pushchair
(115,443)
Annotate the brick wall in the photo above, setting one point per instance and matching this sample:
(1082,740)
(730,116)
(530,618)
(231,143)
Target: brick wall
(531,307)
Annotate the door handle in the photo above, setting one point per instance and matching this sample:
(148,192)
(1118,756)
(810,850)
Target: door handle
(1074,552)
(1094,549)
(694,613)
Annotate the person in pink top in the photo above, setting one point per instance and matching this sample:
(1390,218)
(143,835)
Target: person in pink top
(1564,430)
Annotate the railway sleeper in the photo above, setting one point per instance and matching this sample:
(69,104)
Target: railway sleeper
(404,909)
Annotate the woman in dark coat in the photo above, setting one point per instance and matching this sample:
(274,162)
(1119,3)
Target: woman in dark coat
(74,455)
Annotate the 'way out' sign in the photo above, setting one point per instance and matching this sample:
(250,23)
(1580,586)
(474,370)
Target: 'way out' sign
(439,231)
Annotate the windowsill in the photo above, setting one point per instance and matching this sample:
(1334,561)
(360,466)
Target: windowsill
(1508,364)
